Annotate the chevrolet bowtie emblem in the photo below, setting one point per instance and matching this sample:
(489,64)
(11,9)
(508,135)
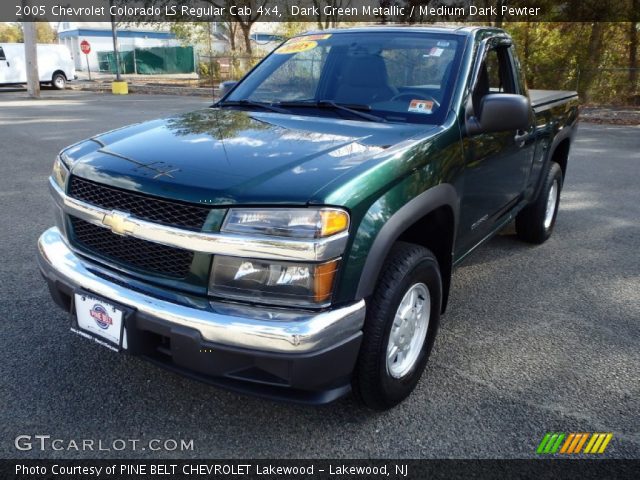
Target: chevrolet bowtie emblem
(118,222)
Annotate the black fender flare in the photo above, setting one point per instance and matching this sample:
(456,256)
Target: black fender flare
(560,135)
(441,195)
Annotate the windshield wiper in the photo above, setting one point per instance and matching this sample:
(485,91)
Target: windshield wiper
(251,103)
(354,109)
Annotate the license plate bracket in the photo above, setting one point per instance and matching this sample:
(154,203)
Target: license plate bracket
(100,319)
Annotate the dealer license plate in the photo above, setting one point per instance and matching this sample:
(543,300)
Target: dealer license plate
(100,320)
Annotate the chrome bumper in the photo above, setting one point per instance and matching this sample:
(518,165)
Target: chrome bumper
(249,327)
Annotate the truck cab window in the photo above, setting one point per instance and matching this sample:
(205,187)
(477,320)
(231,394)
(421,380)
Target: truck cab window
(496,76)
(396,78)
(499,71)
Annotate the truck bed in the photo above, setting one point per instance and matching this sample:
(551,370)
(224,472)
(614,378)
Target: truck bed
(542,99)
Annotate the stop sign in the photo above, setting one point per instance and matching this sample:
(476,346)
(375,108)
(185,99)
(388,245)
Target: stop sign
(85,47)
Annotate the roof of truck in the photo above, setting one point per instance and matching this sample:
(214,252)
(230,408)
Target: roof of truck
(456,29)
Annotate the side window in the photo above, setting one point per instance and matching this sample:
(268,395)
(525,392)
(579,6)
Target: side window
(496,76)
(2,57)
(499,71)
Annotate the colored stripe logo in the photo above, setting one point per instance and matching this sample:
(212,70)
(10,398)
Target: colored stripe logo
(573,443)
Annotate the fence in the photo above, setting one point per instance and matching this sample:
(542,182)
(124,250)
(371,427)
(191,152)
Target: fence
(150,61)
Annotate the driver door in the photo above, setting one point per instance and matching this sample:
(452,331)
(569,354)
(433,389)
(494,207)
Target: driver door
(497,164)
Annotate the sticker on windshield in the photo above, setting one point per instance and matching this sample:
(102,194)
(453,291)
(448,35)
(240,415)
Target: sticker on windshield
(436,52)
(296,47)
(421,106)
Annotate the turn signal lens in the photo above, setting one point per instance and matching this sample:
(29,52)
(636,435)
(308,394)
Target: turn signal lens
(323,281)
(333,221)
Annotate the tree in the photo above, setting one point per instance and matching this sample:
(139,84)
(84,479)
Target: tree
(10,33)
(633,46)
(289,29)
(246,22)
(231,31)
(190,33)
(236,20)
(232,21)
(329,21)
(45,34)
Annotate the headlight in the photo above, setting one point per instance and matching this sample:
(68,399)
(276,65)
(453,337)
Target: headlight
(297,223)
(60,172)
(277,283)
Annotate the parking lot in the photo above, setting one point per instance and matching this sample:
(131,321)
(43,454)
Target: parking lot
(536,338)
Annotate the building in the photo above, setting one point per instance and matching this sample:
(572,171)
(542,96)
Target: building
(98,34)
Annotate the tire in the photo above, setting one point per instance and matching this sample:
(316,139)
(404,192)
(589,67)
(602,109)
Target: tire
(534,224)
(380,383)
(59,81)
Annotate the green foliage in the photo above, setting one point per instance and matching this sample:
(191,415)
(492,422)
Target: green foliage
(594,58)
(241,64)
(289,29)
(191,33)
(209,69)
(45,34)
(10,33)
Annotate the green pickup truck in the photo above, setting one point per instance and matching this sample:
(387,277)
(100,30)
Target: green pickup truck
(296,240)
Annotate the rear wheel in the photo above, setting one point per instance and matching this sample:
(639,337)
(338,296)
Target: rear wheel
(534,224)
(401,325)
(59,81)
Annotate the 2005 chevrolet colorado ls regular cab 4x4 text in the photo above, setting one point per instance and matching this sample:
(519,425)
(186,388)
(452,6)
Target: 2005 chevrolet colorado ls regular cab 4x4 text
(296,239)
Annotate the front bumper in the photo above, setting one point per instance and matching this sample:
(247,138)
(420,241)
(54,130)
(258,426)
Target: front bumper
(300,356)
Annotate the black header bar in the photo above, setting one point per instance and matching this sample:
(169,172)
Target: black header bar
(371,11)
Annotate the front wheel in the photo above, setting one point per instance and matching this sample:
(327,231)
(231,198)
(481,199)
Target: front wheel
(400,328)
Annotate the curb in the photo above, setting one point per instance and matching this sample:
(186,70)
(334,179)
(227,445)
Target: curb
(146,89)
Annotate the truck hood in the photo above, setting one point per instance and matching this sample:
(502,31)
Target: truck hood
(221,156)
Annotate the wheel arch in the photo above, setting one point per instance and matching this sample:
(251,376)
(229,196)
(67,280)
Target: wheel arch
(560,154)
(55,72)
(428,220)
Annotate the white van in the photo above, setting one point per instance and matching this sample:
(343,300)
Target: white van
(55,65)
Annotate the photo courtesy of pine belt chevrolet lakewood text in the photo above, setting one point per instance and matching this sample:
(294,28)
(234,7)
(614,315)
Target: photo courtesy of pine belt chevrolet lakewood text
(296,240)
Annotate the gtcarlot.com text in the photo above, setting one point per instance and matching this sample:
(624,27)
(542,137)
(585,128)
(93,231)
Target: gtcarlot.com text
(45,443)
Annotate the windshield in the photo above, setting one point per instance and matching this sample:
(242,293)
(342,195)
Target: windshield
(393,76)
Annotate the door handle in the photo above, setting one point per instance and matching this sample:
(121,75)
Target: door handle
(8,64)
(521,137)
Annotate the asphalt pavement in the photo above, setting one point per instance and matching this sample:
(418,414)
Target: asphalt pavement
(536,339)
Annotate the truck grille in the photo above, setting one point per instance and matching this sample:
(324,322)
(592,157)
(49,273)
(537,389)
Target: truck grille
(169,261)
(144,207)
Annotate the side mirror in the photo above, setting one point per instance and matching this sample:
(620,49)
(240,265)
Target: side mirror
(500,112)
(226,87)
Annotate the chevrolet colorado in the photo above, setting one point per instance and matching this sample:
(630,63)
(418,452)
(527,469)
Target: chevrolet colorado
(296,239)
